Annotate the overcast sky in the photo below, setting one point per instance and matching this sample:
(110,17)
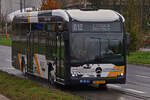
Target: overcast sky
(9,6)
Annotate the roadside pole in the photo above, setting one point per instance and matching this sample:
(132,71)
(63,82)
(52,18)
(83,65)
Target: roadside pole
(21,5)
(6,35)
(0,9)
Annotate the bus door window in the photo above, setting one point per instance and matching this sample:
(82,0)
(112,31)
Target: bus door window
(60,56)
(19,40)
(55,47)
(38,36)
(37,29)
(51,42)
(36,43)
(30,47)
(60,51)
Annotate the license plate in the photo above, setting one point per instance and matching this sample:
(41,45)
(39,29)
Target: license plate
(100,82)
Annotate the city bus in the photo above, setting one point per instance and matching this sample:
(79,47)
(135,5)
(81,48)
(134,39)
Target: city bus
(71,47)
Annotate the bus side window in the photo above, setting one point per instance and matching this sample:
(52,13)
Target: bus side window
(55,27)
(51,40)
(49,46)
(51,27)
(38,36)
(37,27)
(60,27)
(25,28)
(16,28)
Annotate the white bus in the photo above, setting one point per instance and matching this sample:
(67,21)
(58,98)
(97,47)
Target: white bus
(71,47)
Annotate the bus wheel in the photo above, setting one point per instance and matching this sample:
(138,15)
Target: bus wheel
(102,86)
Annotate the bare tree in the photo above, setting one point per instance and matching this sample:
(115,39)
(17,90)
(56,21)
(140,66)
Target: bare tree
(3,21)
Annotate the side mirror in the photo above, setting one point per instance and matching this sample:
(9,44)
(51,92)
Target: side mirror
(128,38)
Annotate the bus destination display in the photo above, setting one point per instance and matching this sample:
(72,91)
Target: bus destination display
(96,27)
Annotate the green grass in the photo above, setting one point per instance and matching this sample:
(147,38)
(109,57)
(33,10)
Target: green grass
(22,89)
(4,41)
(139,57)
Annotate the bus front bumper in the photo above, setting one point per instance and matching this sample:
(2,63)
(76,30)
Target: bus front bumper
(113,80)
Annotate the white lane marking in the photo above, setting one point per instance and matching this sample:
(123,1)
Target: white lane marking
(115,86)
(142,76)
(125,89)
(137,91)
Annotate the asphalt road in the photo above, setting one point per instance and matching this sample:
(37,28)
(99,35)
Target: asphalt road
(5,61)
(137,87)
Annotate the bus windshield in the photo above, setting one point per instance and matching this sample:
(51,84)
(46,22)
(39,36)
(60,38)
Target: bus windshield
(103,47)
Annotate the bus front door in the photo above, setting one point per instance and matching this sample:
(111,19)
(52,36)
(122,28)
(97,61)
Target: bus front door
(30,48)
(60,59)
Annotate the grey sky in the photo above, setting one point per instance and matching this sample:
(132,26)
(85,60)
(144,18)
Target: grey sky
(9,6)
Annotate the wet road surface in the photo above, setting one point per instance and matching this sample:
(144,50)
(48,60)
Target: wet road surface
(5,61)
(137,87)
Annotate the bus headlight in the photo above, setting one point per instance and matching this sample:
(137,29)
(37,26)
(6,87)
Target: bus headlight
(73,75)
(122,74)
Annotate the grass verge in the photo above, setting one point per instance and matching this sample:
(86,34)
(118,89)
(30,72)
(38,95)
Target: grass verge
(139,57)
(22,89)
(4,41)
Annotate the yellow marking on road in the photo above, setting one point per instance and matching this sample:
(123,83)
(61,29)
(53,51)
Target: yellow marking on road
(37,65)
(20,63)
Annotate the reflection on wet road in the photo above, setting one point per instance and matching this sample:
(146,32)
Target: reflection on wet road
(111,93)
(137,87)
